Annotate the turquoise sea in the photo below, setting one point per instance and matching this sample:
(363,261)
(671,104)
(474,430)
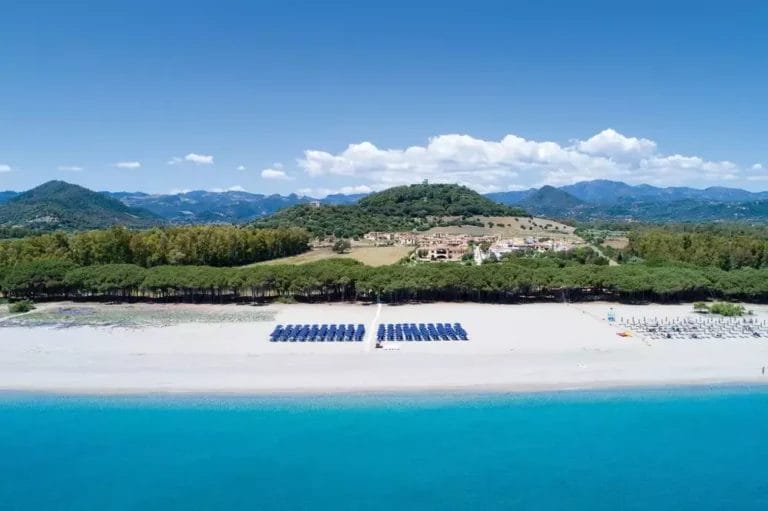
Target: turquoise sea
(681,449)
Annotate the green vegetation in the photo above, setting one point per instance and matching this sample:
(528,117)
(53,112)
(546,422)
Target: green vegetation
(60,205)
(519,279)
(428,200)
(21,306)
(721,308)
(342,246)
(221,245)
(578,255)
(403,208)
(724,250)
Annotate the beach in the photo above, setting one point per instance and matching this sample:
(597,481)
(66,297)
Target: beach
(529,347)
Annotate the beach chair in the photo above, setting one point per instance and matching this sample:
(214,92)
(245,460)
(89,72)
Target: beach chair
(275,335)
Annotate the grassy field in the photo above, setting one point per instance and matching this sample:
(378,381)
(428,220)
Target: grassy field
(619,243)
(512,227)
(372,256)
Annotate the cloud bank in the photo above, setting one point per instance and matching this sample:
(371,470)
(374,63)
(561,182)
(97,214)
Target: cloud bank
(515,162)
(274,174)
(197,159)
(130,165)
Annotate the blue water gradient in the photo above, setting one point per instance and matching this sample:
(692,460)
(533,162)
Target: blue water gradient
(657,449)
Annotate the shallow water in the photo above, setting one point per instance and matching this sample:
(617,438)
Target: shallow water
(641,449)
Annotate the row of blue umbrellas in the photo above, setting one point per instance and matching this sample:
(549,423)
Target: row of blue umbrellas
(317,333)
(421,332)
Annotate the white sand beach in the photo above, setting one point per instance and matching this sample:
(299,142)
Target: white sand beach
(511,347)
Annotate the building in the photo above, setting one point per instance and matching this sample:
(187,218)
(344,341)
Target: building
(441,253)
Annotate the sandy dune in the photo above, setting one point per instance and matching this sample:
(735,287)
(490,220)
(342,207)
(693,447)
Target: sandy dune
(512,347)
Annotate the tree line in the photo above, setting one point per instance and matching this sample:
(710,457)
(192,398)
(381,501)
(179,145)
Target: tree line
(342,279)
(209,245)
(724,249)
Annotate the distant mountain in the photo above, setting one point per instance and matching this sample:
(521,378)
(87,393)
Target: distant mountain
(6,196)
(551,201)
(340,198)
(615,192)
(606,200)
(210,207)
(60,205)
(511,197)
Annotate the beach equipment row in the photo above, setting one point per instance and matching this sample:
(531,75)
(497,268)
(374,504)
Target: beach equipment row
(317,333)
(698,328)
(421,332)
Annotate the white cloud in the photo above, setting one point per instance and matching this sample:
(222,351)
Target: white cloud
(515,162)
(4,167)
(233,188)
(610,142)
(241,167)
(179,191)
(757,167)
(197,159)
(69,168)
(128,165)
(274,174)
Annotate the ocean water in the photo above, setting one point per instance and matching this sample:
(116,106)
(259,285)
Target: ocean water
(678,449)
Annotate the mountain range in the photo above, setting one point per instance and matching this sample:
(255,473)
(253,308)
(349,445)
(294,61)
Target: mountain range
(615,200)
(58,204)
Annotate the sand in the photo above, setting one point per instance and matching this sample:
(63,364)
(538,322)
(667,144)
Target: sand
(512,348)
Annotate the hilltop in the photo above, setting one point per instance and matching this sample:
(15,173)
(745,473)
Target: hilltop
(61,205)
(549,200)
(401,208)
(425,200)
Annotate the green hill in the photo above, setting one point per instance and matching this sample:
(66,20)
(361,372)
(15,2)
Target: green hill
(425,200)
(402,208)
(552,201)
(60,205)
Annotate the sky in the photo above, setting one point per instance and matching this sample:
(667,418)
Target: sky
(351,96)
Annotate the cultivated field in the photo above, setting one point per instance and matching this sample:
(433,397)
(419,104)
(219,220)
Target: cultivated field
(372,256)
(619,243)
(512,227)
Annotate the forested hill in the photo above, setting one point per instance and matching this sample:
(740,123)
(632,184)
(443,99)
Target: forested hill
(60,205)
(7,195)
(396,209)
(425,200)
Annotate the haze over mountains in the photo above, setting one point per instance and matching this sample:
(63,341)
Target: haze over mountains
(59,204)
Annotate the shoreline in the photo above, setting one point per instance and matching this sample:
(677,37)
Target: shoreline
(405,392)
(512,349)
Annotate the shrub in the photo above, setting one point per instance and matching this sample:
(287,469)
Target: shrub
(21,306)
(700,307)
(727,309)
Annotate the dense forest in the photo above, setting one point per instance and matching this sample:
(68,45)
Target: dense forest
(341,279)
(204,245)
(428,200)
(726,249)
(60,205)
(402,208)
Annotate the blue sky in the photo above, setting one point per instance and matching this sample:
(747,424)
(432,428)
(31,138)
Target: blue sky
(328,96)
